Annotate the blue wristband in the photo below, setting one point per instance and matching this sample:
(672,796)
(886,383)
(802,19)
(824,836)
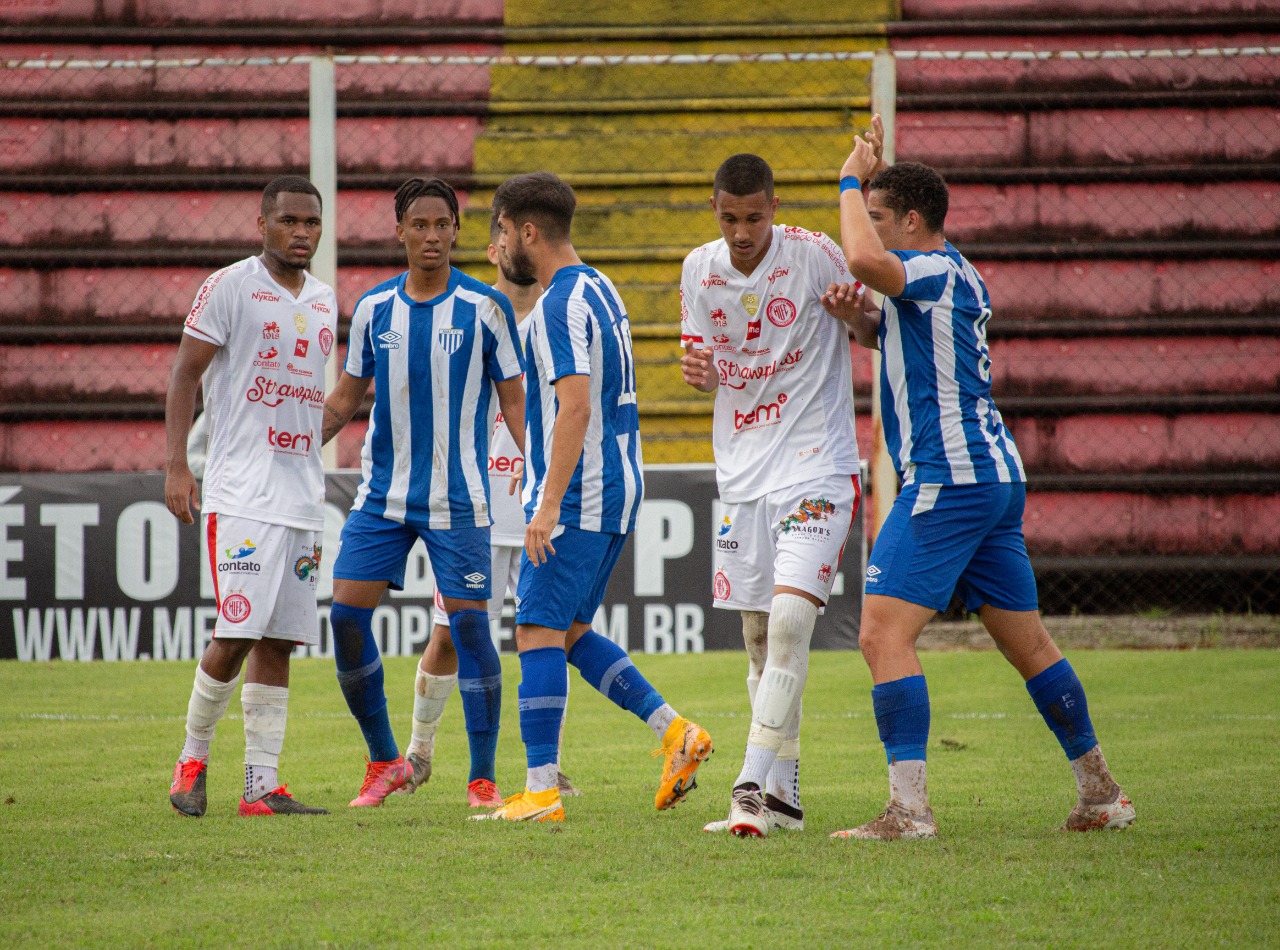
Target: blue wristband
(850,183)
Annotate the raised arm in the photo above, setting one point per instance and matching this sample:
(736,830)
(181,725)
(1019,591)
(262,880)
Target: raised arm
(868,260)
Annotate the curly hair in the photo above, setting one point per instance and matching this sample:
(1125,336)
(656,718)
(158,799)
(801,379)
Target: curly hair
(911,186)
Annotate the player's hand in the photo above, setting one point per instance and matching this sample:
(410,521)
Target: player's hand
(517,479)
(537,536)
(181,494)
(875,138)
(862,161)
(695,367)
(845,302)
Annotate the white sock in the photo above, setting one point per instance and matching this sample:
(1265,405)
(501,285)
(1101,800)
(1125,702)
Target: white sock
(542,777)
(907,785)
(209,699)
(755,765)
(784,776)
(661,720)
(430,693)
(266,712)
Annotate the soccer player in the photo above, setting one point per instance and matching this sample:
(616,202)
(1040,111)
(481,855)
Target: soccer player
(582,487)
(259,332)
(438,668)
(438,344)
(756,334)
(957,524)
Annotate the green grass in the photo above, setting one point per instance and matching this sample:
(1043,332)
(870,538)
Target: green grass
(91,854)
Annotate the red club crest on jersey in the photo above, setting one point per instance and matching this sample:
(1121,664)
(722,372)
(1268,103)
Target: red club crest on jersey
(236,608)
(721,588)
(326,340)
(781,312)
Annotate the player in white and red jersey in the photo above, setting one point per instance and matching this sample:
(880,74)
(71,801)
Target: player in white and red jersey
(438,668)
(757,333)
(259,334)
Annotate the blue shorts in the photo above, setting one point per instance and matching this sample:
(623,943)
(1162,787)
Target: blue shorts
(964,539)
(570,584)
(374,548)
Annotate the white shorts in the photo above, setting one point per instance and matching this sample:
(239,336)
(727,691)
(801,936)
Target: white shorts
(264,579)
(793,537)
(504,576)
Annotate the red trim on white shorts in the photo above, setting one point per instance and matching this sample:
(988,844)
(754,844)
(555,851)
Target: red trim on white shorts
(211,538)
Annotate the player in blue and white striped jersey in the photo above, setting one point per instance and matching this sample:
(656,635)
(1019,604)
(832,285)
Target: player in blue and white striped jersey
(582,486)
(436,344)
(956,527)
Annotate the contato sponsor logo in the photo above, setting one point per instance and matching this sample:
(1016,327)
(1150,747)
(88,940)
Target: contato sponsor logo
(719,319)
(319,307)
(267,358)
(245,549)
(781,312)
(325,336)
(779,272)
(721,338)
(805,519)
(264,296)
(724,543)
(736,376)
(505,464)
(237,559)
(300,348)
(236,608)
(721,589)
(272,393)
(305,567)
(714,280)
(294,442)
(271,331)
(765,414)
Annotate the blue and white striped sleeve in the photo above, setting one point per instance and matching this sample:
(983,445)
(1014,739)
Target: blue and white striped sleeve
(361,359)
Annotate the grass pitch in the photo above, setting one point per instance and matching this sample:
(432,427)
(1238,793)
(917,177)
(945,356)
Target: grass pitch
(92,855)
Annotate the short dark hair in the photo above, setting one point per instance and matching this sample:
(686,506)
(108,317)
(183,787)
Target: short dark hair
(744,174)
(292,184)
(416,188)
(540,197)
(911,186)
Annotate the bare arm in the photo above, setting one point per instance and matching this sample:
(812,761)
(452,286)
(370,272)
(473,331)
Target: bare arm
(511,402)
(867,257)
(857,311)
(181,492)
(574,413)
(341,404)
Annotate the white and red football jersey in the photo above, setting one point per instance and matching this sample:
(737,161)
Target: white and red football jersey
(264,393)
(784,406)
(507,511)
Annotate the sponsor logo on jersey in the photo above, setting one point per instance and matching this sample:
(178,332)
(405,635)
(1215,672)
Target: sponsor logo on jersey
(736,376)
(763,351)
(720,589)
(719,319)
(765,414)
(751,302)
(781,312)
(290,441)
(319,307)
(298,370)
(271,393)
(264,296)
(307,565)
(202,298)
(450,339)
(824,573)
(267,358)
(723,543)
(475,580)
(714,280)
(246,549)
(236,608)
(300,323)
(753,330)
(873,574)
(300,348)
(389,340)
(271,331)
(803,453)
(506,464)
(238,562)
(779,272)
(325,338)
(805,519)
(720,338)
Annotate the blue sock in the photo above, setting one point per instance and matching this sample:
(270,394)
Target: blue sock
(902,716)
(480,682)
(1058,695)
(360,676)
(544,686)
(605,666)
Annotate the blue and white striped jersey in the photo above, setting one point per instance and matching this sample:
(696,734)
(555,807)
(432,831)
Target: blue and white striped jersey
(426,454)
(940,424)
(579,327)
